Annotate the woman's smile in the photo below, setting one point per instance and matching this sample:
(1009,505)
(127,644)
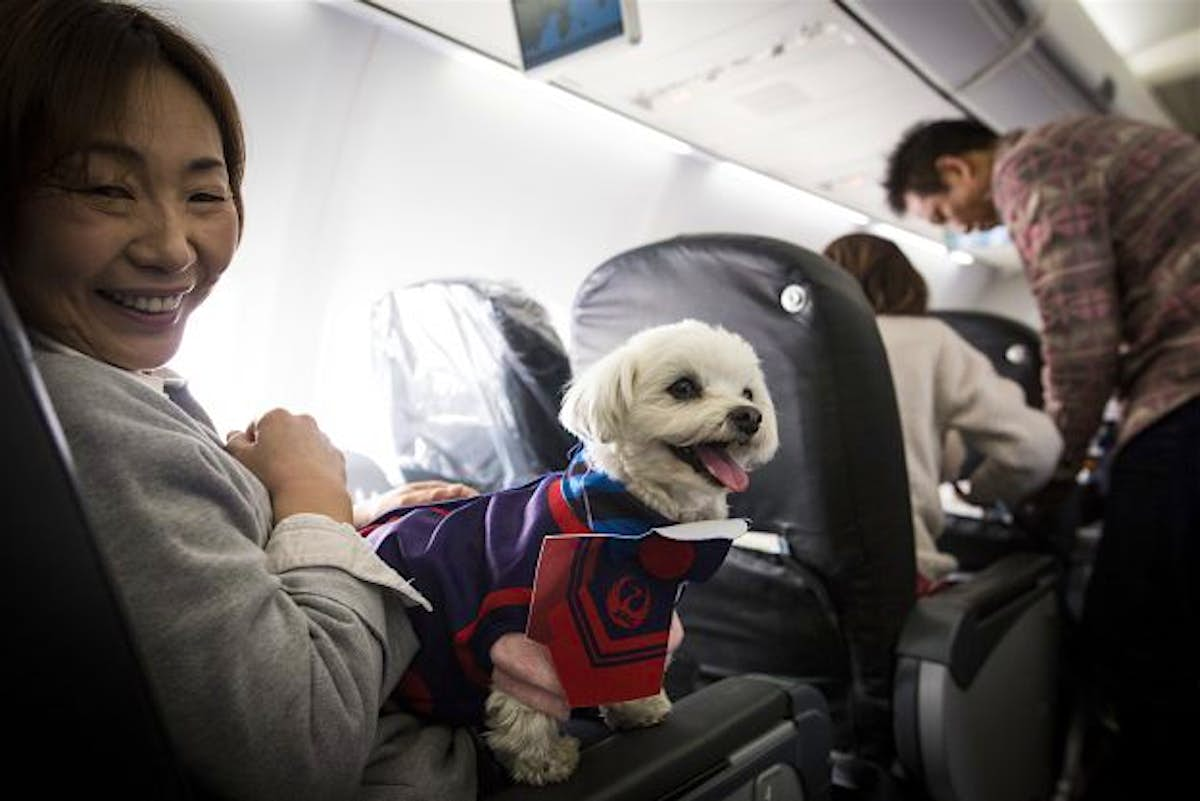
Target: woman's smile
(127,237)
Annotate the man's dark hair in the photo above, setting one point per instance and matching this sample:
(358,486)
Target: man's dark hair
(911,165)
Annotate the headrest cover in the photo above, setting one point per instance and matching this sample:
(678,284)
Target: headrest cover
(474,373)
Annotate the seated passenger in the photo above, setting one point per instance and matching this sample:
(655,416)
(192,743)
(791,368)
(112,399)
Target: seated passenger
(945,389)
(270,632)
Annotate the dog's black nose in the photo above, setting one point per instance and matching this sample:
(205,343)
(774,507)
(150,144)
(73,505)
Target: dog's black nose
(746,419)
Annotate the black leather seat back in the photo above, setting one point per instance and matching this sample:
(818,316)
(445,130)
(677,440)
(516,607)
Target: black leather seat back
(475,373)
(74,694)
(837,490)
(1014,349)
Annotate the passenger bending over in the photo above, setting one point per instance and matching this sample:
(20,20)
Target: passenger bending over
(946,389)
(1105,213)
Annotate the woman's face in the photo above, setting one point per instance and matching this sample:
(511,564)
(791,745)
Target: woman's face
(115,250)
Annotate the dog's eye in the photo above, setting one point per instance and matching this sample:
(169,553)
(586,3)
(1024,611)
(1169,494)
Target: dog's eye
(747,394)
(684,389)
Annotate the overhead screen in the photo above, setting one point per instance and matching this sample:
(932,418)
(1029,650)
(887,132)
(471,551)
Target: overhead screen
(550,29)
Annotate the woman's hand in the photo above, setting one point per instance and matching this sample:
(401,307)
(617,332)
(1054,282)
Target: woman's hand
(415,493)
(675,637)
(297,464)
(523,669)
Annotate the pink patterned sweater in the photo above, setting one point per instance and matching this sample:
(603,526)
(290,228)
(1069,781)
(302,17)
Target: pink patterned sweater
(1105,213)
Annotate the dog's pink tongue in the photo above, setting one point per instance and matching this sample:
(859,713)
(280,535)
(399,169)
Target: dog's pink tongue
(723,468)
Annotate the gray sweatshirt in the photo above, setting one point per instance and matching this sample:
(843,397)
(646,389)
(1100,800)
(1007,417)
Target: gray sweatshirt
(269,650)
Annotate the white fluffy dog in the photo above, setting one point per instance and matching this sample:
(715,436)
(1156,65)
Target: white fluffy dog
(670,423)
(678,414)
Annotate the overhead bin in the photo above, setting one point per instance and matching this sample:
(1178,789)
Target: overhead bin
(1005,61)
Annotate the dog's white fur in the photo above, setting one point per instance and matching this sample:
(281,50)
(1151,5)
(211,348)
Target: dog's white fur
(624,411)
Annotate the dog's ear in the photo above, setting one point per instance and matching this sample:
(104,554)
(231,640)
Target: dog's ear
(599,398)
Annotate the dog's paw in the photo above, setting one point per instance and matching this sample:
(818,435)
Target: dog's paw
(553,763)
(638,713)
(528,743)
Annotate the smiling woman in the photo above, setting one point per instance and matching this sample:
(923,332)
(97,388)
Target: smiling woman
(121,241)
(269,631)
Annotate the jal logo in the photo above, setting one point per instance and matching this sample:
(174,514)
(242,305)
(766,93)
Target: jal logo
(628,602)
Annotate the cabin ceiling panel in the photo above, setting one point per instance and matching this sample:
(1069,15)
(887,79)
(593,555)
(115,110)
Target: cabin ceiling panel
(792,88)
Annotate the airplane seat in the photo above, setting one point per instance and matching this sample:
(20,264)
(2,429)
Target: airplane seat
(75,666)
(72,668)
(977,537)
(473,372)
(823,590)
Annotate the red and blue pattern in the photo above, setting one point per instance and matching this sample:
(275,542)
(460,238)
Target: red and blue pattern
(476,559)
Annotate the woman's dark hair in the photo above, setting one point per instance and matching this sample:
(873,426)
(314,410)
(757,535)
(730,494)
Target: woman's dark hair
(912,167)
(66,69)
(889,280)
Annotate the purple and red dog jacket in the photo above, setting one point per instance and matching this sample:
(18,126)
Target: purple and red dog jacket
(604,595)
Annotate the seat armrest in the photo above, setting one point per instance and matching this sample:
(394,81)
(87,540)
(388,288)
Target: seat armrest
(707,732)
(960,625)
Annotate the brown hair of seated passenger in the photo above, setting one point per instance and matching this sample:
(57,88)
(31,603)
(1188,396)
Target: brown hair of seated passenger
(888,279)
(66,67)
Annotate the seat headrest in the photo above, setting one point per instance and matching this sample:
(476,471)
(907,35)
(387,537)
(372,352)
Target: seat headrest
(1014,348)
(837,488)
(474,373)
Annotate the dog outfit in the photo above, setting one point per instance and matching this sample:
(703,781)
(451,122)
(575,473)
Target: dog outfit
(475,559)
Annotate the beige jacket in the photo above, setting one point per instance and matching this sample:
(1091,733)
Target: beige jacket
(944,388)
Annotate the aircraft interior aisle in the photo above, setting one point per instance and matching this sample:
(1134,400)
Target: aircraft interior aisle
(455,216)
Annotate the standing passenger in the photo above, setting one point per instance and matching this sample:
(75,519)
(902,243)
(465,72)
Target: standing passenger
(1105,213)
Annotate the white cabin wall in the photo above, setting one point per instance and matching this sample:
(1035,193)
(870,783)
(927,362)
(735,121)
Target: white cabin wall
(377,157)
